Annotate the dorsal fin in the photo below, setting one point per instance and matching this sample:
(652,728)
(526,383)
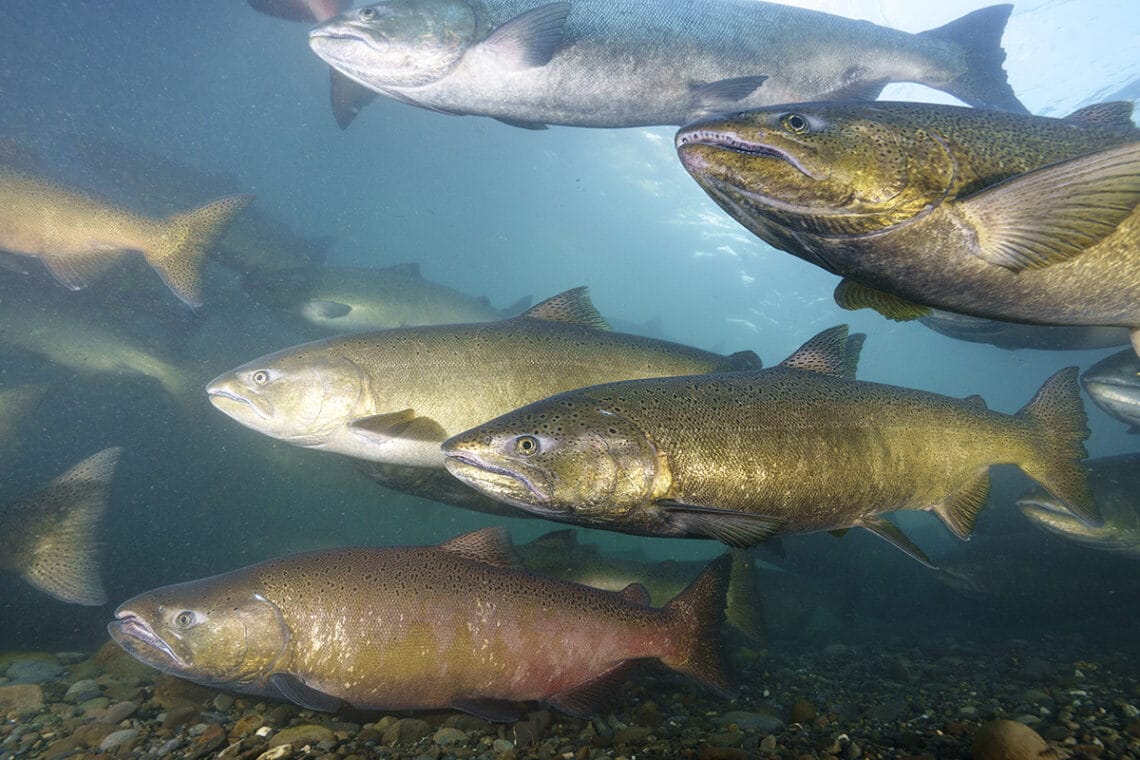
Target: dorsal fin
(490,545)
(1115,113)
(406,269)
(976,401)
(570,307)
(826,353)
(635,593)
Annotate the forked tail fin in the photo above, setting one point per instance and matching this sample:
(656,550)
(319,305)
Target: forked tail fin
(63,558)
(1061,427)
(696,618)
(179,252)
(984,83)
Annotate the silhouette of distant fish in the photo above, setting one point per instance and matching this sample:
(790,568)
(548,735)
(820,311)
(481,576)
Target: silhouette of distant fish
(460,625)
(346,96)
(78,237)
(1013,336)
(600,63)
(51,538)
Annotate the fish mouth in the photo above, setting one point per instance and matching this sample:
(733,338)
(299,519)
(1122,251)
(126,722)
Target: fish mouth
(133,634)
(686,140)
(1040,504)
(231,403)
(497,482)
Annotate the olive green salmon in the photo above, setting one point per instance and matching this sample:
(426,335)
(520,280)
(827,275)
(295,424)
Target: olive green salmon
(459,625)
(51,538)
(1004,216)
(393,396)
(796,448)
(78,236)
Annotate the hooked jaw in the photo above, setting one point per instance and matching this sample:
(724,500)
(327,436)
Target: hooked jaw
(506,485)
(697,145)
(133,634)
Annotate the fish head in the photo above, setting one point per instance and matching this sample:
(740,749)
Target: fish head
(212,631)
(397,43)
(569,458)
(834,170)
(1114,384)
(304,395)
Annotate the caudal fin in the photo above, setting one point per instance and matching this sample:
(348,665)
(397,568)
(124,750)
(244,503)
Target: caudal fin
(696,617)
(984,83)
(62,559)
(179,252)
(1060,430)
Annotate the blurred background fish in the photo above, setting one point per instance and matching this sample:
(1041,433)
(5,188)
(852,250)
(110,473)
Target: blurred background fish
(1113,384)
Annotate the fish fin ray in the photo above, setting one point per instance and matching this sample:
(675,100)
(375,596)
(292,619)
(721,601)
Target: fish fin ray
(725,92)
(489,545)
(405,425)
(852,296)
(63,559)
(586,699)
(77,271)
(636,593)
(960,510)
(696,617)
(298,692)
(1051,214)
(572,307)
(825,353)
(1114,113)
(347,97)
(889,532)
(743,607)
(854,349)
(977,35)
(740,529)
(494,710)
(178,251)
(1060,431)
(530,39)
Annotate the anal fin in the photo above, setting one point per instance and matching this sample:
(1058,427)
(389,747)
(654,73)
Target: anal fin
(890,533)
(585,699)
(77,271)
(961,509)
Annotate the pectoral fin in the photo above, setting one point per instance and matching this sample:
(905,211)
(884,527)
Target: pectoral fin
(404,425)
(890,533)
(295,690)
(739,529)
(1052,214)
(725,92)
(530,39)
(853,296)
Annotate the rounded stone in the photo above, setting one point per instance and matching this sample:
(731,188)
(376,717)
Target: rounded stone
(299,736)
(447,736)
(1008,740)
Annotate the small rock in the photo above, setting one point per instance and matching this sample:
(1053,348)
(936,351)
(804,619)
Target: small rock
(802,711)
(118,712)
(299,736)
(761,723)
(247,724)
(1008,740)
(179,716)
(731,738)
(631,735)
(83,690)
(208,741)
(502,745)
(20,699)
(33,670)
(279,752)
(223,702)
(406,730)
(768,743)
(114,739)
(447,736)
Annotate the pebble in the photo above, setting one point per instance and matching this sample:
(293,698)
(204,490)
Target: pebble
(1007,740)
(82,690)
(279,752)
(114,739)
(447,736)
(406,730)
(118,712)
(502,745)
(299,736)
(21,698)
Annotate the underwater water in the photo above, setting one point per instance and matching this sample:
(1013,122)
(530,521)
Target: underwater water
(160,107)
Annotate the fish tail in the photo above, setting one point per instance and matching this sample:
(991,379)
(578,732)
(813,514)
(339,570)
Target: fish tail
(984,83)
(1060,428)
(179,253)
(63,559)
(743,607)
(696,616)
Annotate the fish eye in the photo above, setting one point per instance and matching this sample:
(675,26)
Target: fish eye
(367,14)
(526,445)
(794,123)
(261,377)
(186,619)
